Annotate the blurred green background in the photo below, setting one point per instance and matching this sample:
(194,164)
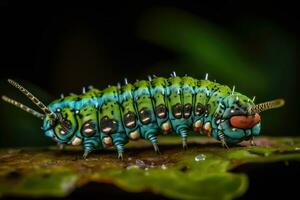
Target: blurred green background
(59,50)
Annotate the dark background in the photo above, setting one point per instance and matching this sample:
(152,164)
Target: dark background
(54,49)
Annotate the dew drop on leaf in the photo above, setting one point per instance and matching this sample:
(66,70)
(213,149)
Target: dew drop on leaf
(200,157)
(164,167)
(140,163)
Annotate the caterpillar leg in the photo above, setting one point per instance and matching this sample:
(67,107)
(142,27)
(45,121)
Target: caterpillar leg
(184,135)
(184,143)
(89,145)
(153,139)
(120,155)
(108,142)
(85,154)
(119,140)
(120,149)
(156,149)
(61,146)
(252,143)
(224,144)
(222,139)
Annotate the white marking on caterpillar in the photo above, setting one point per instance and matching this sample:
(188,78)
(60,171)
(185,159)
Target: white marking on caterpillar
(130,123)
(76,141)
(233,89)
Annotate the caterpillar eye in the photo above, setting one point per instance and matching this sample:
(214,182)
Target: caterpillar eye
(177,110)
(187,110)
(88,129)
(207,110)
(62,131)
(161,111)
(129,120)
(200,109)
(66,124)
(108,125)
(145,116)
(62,127)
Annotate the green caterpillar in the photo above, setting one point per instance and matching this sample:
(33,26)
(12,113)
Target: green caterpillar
(100,119)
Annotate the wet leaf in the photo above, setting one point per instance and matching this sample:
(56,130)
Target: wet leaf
(196,173)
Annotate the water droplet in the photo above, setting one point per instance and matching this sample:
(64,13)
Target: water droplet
(132,167)
(152,165)
(266,154)
(140,163)
(146,169)
(297,149)
(164,167)
(200,157)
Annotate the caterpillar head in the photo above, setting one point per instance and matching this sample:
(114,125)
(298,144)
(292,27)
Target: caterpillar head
(238,118)
(62,128)
(60,125)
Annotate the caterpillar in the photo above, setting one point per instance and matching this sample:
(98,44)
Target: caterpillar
(117,114)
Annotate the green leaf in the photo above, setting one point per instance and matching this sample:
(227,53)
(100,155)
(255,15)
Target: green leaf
(201,172)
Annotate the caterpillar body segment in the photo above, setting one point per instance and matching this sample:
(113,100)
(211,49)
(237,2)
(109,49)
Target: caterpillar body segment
(117,114)
(160,92)
(146,113)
